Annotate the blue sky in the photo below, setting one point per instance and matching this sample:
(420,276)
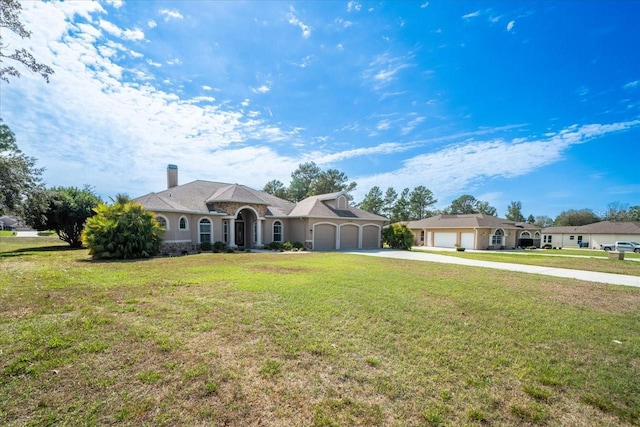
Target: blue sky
(531,101)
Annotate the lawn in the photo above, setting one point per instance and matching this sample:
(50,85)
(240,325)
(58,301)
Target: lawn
(321,339)
(596,261)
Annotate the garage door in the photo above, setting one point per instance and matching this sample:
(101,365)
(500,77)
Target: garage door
(466,240)
(349,237)
(370,237)
(444,240)
(324,237)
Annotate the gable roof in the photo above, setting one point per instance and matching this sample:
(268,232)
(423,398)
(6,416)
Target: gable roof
(317,207)
(602,227)
(469,221)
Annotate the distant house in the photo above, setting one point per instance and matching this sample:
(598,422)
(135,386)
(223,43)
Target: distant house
(7,223)
(241,217)
(591,235)
(473,231)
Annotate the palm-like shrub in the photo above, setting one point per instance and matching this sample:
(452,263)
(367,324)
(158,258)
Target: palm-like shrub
(124,230)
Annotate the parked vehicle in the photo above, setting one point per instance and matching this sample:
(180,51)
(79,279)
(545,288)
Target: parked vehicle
(622,246)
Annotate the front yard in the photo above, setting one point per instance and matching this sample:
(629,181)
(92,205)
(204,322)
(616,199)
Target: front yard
(320,339)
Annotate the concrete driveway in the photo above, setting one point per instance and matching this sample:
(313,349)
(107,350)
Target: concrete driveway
(589,276)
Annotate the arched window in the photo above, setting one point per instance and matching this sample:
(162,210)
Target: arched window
(225,231)
(525,235)
(205,231)
(183,224)
(536,235)
(277,231)
(163,222)
(497,237)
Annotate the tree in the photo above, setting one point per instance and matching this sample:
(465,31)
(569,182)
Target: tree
(63,210)
(420,200)
(302,180)
(397,236)
(373,201)
(388,202)
(543,221)
(276,188)
(10,19)
(400,211)
(531,219)
(576,217)
(18,174)
(467,204)
(124,230)
(634,213)
(331,181)
(514,212)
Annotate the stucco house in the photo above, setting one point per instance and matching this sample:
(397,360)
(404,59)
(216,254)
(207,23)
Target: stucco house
(241,217)
(473,231)
(591,235)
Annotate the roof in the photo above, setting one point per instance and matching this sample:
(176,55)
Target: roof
(200,196)
(195,196)
(602,227)
(469,221)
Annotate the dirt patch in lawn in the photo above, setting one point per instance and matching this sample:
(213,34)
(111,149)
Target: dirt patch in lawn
(592,296)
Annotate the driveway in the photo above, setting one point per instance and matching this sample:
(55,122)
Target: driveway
(589,276)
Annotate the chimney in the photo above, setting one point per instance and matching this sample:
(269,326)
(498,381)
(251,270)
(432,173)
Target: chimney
(172,176)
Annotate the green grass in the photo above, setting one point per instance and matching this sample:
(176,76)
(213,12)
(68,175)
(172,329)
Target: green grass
(7,233)
(322,339)
(597,260)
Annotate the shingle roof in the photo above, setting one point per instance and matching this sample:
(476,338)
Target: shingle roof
(316,207)
(194,196)
(602,227)
(469,221)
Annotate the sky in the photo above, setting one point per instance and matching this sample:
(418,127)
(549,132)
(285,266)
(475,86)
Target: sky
(537,102)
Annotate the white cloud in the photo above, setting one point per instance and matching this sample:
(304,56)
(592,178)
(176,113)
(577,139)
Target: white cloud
(207,88)
(174,61)
(170,14)
(383,69)
(154,64)
(293,20)
(340,47)
(152,23)
(471,15)
(353,6)
(114,30)
(510,25)
(115,3)
(632,85)
(424,5)
(262,89)
(459,167)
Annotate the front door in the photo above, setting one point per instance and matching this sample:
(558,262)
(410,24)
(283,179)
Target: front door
(240,233)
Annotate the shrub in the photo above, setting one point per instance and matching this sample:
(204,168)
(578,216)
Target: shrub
(298,245)
(123,230)
(274,246)
(547,246)
(220,246)
(459,248)
(287,246)
(397,236)
(230,251)
(205,246)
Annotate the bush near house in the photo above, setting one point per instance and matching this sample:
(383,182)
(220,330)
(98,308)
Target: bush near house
(123,230)
(397,236)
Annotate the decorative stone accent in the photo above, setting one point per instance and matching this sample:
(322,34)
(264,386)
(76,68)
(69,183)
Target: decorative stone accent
(175,249)
(232,208)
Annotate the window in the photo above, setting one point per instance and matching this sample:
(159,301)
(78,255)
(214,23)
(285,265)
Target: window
(342,202)
(277,231)
(537,235)
(205,230)
(255,231)
(422,236)
(183,224)
(496,239)
(162,221)
(546,238)
(571,237)
(225,231)
(525,235)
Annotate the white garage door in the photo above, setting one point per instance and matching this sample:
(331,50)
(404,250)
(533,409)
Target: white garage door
(444,240)
(466,240)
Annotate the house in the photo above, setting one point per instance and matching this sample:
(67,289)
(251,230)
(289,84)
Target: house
(591,235)
(8,223)
(473,231)
(241,217)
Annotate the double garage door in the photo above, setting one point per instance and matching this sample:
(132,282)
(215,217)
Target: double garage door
(448,240)
(324,237)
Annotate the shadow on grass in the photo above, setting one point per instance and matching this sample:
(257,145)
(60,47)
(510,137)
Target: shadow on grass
(29,251)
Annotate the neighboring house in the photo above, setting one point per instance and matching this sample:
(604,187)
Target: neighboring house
(241,217)
(473,231)
(7,223)
(591,235)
